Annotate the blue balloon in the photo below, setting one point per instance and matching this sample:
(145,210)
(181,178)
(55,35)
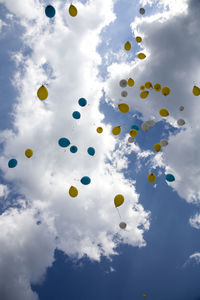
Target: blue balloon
(76,115)
(91,151)
(82,102)
(12,163)
(85,180)
(50,11)
(73,149)
(63,142)
(170,177)
(135,127)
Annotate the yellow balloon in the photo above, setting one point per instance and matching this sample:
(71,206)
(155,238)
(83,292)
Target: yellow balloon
(157,87)
(141,56)
(72,10)
(151,177)
(29,152)
(133,132)
(166,91)
(131,82)
(73,192)
(127,46)
(42,93)
(99,129)
(148,85)
(157,147)
(118,200)
(123,107)
(142,87)
(144,296)
(116,130)
(196,91)
(164,112)
(138,39)
(144,94)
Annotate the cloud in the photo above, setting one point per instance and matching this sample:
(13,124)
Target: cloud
(195,221)
(4,191)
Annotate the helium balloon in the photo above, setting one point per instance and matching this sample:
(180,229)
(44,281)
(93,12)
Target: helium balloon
(123,83)
(142,11)
(157,87)
(131,139)
(181,122)
(151,122)
(99,129)
(157,147)
(124,93)
(123,107)
(73,192)
(131,82)
(138,39)
(29,153)
(144,94)
(118,200)
(141,56)
(91,151)
(42,93)
(116,130)
(135,127)
(133,132)
(12,163)
(196,91)
(82,102)
(63,142)
(181,108)
(85,180)
(151,177)
(122,225)
(170,177)
(127,46)
(144,296)
(164,112)
(72,10)
(142,87)
(148,85)
(166,91)
(163,143)
(73,149)
(50,11)
(76,115)
(145,126)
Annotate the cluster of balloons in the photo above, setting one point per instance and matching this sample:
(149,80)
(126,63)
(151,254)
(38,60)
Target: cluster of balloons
(64,143)
(73,191)
(50,11)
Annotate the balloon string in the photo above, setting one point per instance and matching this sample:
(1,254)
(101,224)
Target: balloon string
(118,212)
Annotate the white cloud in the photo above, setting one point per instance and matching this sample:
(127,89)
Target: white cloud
(195,221)
(4,191)
(195,257)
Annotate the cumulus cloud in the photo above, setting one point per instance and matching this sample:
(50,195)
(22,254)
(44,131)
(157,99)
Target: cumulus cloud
(195,221)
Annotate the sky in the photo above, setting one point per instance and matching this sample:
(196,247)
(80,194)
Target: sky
(54,246)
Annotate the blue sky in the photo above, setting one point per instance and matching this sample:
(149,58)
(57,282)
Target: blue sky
(56,247)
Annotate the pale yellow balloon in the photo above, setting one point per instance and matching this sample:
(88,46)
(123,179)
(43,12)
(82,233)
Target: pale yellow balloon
(123,107)
(29,152)
(118,200)
(116,130)
(151,177)
(131,82)
(42,93)
(145,126)
(124,93)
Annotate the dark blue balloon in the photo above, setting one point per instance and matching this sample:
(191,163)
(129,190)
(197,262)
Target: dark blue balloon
(50,11)
(82,102)
(85,180)
(76,115)
(63,142)
(73,149)
(170,177)
(12,163)
(135,127)
(91,151)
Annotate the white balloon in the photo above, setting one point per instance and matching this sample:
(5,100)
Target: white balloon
(131,139)
(181,122)
(142,11)
(124,93)
(163,143)
(123,83)
(122,225)
(181,108)
(151,122)
(145,126)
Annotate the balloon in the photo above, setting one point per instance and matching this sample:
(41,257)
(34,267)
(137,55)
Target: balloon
(145,126)
(85,180)
(142,11)
(131,139)
(42,93)
(76,115)
(144,296)
(63,142)
(127,46)
(196,91)
(157,87)
(72,10)
(123,83)
(73,192)
(170,177)
(116,130)
(181,108)
(99,129)
(82,102)
(164,112)
(118,200)
(123,107)
(12,163)
(151,177)
(151,122)
(163,143)
(29,153)
(135,127)
(141,56)
(122,225)
(50,11)
(166,91)
(131,82)
(148,85)
(144,94)
(142,87)
(138,39)
(133,132)
(73,149)
(181,122)
(91,151)
(124,93)
(157,147)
